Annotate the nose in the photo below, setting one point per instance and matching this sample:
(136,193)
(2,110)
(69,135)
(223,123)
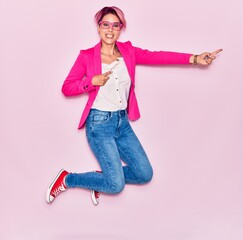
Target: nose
(110,28)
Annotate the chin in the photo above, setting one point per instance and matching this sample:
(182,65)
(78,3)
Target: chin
(109,41)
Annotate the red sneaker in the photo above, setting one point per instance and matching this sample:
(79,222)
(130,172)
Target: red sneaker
(95,195)
(57,186)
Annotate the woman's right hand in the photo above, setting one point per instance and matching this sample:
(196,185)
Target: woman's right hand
(101,79)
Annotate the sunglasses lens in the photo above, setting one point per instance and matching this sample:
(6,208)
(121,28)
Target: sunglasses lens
(116,25)
(105,25)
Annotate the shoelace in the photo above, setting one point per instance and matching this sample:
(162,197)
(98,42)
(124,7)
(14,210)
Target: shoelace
(58,190)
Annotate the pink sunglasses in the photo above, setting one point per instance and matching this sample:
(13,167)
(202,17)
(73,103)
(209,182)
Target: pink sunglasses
(106,24)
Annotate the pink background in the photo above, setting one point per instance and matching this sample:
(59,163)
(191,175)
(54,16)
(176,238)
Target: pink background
(193,134)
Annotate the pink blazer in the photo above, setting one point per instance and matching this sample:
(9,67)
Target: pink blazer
(88,64)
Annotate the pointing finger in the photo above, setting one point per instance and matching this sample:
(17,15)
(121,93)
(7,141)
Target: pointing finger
(107,73)
(217,51)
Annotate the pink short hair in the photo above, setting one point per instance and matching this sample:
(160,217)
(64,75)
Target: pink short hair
(111,10)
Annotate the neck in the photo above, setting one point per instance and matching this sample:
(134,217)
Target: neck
(108,50)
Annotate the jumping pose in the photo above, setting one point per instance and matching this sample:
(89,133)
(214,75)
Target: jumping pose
(107,73)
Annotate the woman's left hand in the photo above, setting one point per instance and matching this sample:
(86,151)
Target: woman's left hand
(206,58)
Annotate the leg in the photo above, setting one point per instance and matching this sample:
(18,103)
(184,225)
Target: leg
(138,169)
(100,130)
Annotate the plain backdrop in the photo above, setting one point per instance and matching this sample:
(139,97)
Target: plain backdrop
(191,124)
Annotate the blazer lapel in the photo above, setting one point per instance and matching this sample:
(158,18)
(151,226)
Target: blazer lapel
(125,54)
(97,59)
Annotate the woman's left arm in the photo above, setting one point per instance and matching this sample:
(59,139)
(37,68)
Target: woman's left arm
(205,58)
(144,56)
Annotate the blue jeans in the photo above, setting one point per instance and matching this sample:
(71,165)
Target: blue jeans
(112,139)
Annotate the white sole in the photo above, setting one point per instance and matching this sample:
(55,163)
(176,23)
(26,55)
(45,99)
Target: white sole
(50,187)
(94,200)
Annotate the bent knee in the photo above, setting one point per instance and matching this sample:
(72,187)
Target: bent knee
(147,175)
(117,185)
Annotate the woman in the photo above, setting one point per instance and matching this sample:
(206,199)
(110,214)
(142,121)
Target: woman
(107,73)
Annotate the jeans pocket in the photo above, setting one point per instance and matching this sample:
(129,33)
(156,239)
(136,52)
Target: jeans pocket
(100,118)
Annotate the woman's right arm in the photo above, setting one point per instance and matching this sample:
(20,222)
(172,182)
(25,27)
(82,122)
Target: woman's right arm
(77,82)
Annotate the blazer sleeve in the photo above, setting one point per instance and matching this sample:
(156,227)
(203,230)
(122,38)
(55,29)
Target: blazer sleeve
(144,56)
(77,82)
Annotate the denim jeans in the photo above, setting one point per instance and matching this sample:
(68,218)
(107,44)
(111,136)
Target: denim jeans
(112,139)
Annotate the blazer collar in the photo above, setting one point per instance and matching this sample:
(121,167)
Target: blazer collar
(97,49)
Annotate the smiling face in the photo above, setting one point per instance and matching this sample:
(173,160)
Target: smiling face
(109,36)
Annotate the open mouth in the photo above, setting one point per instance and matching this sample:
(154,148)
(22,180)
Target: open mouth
(109,36)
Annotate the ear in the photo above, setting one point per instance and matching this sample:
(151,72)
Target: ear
(98,28)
